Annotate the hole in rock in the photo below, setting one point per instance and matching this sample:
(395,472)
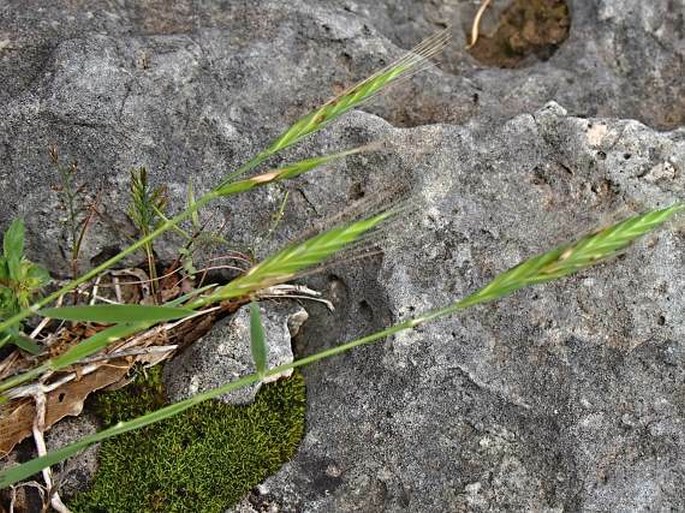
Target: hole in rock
(521,32)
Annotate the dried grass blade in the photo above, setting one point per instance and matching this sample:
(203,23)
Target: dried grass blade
(91,345)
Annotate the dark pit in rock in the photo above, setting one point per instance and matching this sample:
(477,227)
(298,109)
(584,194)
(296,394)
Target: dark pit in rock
(524,31)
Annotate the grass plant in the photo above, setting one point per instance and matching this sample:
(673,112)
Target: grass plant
(147,205)
(285,265)
(559,262)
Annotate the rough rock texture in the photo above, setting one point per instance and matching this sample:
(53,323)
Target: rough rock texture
(566,397)
(190,92)
(623,58)
(224,355)
(75,473)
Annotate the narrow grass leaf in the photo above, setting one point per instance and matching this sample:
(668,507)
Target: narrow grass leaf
(13,248)
(257,339)
(110,314)
(83,349)
(95,343)
(19,379)
(26,344)
(5,338)
(92,345)
(195,216)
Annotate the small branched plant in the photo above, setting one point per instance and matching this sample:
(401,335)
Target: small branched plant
(78,212)
(276,219)
(201,236)
(147,212)
(20,282)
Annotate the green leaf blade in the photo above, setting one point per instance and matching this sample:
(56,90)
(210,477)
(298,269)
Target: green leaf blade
(110,314)
(257,339)
(25,343)
(95,343)
(13,247)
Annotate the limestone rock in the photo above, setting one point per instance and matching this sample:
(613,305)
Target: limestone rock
(566,397)
(223,355)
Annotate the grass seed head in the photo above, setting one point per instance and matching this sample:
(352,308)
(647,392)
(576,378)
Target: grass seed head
(570,258)
(359,93)
(288,263)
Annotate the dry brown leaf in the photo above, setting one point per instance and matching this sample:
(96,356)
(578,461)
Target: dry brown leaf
(16,417)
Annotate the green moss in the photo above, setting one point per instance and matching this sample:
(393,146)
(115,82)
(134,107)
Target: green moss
(203,460)
(144,395)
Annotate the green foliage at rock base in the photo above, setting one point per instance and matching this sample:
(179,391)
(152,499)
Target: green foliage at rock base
(144,395)
(203,460)
(20,281)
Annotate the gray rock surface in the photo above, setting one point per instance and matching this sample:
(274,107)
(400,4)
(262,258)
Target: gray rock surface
(75,474)
(224,354)
(560,398)
(566,397)
(191,92)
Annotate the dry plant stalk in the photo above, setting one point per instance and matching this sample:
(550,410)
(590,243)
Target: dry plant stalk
(476,23)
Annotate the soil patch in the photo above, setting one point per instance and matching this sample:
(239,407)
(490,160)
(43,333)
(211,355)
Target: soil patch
(525,30)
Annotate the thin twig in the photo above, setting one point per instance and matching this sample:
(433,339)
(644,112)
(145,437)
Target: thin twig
(326,302)
(96,287)
(105,300)
(46,320)
(39,438)
(476,23)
